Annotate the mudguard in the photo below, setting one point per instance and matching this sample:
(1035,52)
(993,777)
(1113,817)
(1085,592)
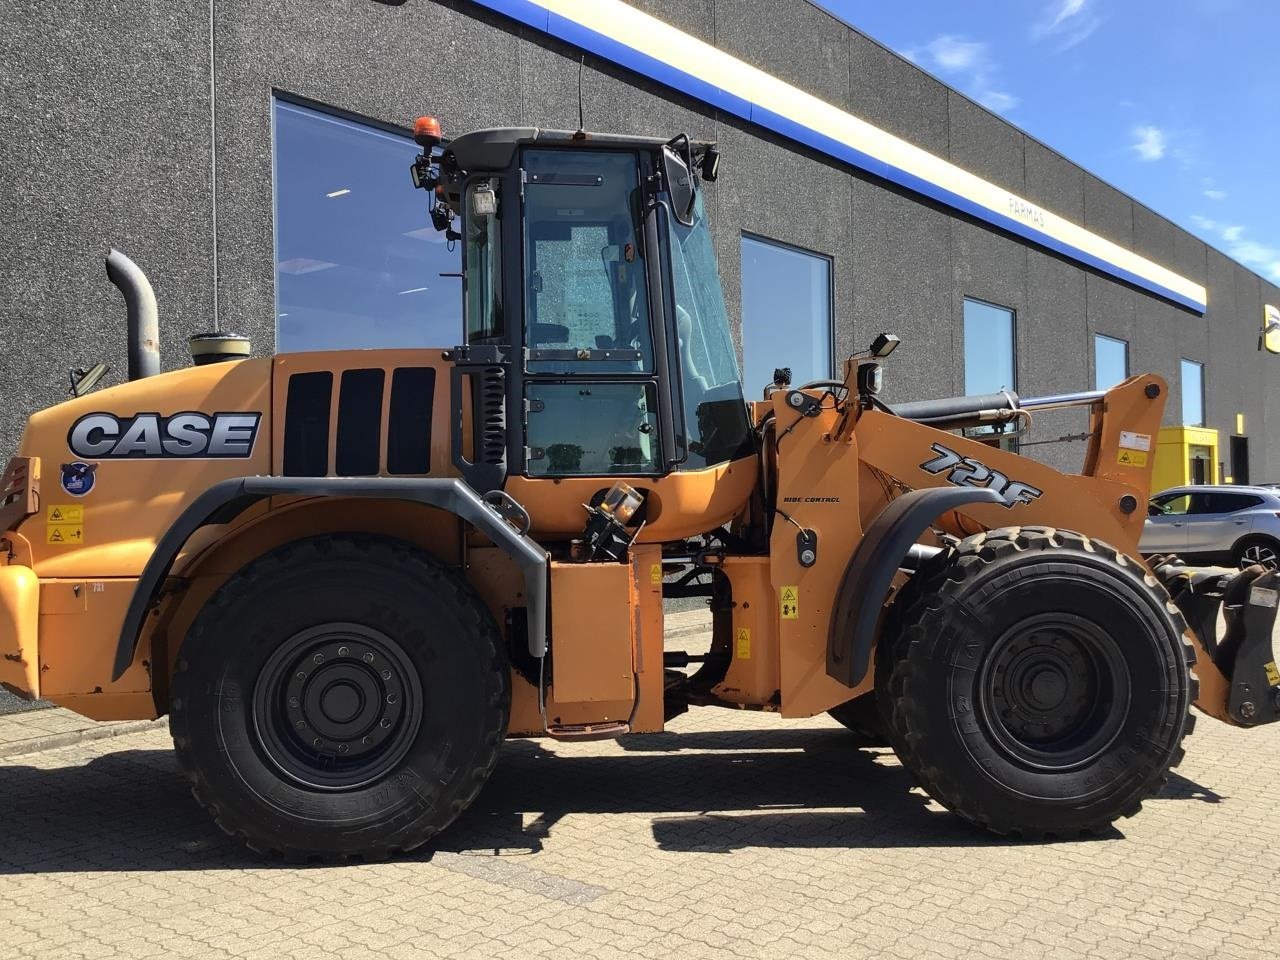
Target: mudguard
(870,572)
(224,501)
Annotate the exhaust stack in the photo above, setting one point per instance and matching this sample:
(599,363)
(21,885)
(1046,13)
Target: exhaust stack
(140,308)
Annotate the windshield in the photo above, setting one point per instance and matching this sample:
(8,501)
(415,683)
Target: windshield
(715,412)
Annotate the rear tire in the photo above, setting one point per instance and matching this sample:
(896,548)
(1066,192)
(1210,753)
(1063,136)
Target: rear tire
(1256,549)
(1036,682)
(861,715)
(341,697)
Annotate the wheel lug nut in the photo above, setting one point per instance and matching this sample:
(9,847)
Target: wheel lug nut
(342,748)
(391,698)
(302,724)
(315,742)
(301,675)
(386,674)
(386,722)
(343,651)
(293,701)
(364,741)
(318,658)
(367,658)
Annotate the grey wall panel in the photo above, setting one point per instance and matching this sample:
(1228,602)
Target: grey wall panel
(1108,212)
(1054,182)
(1153,236)
(769,35)
(91,162)
(982,143)
(901,280)
(695,17)
(897,97)
(1054,356)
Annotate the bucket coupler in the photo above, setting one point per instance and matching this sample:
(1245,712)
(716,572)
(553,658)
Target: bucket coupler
(1247,601)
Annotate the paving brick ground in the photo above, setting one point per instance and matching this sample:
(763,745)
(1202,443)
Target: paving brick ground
(734,836)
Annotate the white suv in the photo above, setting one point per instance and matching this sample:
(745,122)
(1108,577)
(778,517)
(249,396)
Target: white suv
(1215,524)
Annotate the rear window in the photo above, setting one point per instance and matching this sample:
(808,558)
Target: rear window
(1217,502)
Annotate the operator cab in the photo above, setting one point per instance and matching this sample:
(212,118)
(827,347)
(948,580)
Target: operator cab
(596,338)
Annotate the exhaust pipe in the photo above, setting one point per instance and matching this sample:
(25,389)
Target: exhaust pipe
(140,308)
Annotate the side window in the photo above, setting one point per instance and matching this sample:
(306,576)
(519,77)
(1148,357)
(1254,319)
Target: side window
(783,281)
(1224,502)
(585,428)
(486,321)
(1176,505)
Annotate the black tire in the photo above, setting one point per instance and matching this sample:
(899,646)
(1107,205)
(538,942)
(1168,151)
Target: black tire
(1036,682)
(369,648)
(862,716)
(1256,549)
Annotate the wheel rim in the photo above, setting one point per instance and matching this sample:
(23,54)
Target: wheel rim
(1259,553)
(337,706)
(1054,692)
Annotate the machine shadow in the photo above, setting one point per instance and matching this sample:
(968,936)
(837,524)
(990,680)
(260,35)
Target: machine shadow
(704,792)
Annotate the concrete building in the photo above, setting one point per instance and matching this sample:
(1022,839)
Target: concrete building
(252,158)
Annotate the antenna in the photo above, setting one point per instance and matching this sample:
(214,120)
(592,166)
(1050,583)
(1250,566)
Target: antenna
(582,127)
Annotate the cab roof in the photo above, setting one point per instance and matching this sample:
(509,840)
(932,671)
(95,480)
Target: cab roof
(494,149)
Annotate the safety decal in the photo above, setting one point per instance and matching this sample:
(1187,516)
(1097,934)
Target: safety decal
(64,513)
(790,603)
(64,524)
(743,649)
(1273,674)
(1135,441)
(1131,458)
(79,477)
(655,574)
(187,435)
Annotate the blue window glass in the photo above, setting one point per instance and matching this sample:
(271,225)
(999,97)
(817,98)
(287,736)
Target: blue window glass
(786,314)
(1110,362)
(358,263)
(1192,394)
(989,361)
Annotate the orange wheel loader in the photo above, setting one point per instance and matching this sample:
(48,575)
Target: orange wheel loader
(346,577)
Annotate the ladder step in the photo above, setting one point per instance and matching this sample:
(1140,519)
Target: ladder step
(607,730)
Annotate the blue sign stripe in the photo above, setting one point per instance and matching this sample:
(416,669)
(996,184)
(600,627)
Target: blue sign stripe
(540,18)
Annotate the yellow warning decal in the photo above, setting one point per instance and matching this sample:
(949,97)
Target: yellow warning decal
(790,603)
(64,534)
(743,651)
(655,574)
(64,513)
(1273,674)
(1132,458)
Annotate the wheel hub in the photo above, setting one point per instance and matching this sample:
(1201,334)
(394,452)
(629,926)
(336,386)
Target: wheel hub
(1053,691)
(337,706)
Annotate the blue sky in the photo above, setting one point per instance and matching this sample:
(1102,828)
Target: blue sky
(1175,102)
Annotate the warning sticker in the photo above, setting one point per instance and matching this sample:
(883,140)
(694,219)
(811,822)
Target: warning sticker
(743,649)
(1273,674)
(1135,441)
(655,574)
(789,603)
(64,513)
(64,534)
(1131,458)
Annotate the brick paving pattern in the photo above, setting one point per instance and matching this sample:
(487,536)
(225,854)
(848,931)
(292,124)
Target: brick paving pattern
(736,835)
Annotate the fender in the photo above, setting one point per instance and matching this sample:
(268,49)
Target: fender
(224,501)
(870,572)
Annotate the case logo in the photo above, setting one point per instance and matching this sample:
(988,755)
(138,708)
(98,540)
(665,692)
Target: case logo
(967,472)
(189,435)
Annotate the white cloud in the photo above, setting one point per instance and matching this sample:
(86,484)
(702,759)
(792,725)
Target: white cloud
(969,64)
(1148,142)
(1215,194)
(1232,234)
(1069,22)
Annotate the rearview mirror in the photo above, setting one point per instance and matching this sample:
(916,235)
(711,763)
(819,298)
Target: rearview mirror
(680,182)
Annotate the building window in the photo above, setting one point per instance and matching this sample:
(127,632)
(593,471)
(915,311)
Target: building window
(1192,394)
(786,313)
(989,357)
(1110,361)
(358,263)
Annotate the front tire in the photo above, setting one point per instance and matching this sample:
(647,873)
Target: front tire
(342,696)
(1036,682)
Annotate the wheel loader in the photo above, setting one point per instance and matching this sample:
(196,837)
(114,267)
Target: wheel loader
(347,576)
